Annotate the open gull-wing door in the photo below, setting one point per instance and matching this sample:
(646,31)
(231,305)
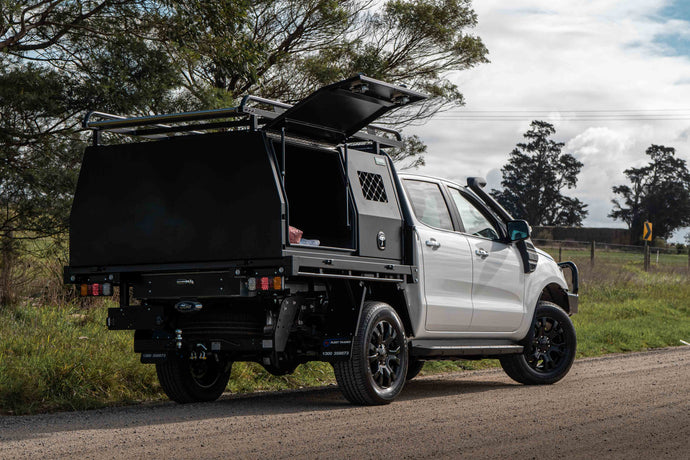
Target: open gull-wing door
(335,112)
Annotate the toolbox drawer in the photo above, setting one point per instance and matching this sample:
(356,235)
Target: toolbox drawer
(187,285)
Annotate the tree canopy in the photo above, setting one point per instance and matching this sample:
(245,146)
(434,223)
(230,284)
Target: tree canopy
(658,192)
(285,49)
(534,178)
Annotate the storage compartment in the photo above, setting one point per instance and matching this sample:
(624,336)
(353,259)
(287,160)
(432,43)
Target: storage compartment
(200,198)
(316,195)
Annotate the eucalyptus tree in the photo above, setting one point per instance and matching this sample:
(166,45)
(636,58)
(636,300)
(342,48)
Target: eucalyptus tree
(535,177)
(658,192)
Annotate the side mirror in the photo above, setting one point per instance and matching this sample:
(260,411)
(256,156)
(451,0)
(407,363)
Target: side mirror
(518,230)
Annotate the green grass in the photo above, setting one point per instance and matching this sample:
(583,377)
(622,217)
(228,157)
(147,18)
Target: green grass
(56,358)
(64,358)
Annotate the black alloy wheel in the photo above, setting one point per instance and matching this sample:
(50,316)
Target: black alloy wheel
(549,348)
(385,346)
(376,371)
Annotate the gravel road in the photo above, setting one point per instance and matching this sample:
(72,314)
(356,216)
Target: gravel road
(621,406)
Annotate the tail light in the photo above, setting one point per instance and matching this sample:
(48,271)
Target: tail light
(96,289)
(266,283)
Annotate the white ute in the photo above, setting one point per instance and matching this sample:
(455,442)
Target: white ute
(482,290)
(281,234)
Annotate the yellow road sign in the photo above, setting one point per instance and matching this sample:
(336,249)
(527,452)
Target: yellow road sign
(647,231)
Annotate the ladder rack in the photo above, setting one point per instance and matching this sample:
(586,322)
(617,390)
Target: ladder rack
(252,113)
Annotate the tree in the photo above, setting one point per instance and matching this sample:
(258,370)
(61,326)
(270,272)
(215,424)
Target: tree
(285,50)
(39,157)
(279,49)
(658,192)
(413,149)
(59,58)
(534,178)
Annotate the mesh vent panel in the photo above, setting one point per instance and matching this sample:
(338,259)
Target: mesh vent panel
(372,186)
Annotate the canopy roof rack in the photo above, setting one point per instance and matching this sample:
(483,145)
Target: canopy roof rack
(340,113)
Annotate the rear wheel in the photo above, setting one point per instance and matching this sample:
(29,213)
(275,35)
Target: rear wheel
(186,381)
(550,349)
(376,371)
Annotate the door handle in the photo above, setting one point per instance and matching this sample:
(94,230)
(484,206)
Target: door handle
(432,243)
(481,253)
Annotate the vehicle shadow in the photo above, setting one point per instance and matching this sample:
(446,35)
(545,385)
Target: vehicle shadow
(228,406)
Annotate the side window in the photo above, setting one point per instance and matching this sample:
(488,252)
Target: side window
(428,204)
(474,221)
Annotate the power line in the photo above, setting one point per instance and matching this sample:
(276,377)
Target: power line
(552,110)
(567,118)
(561,118)
(571,115)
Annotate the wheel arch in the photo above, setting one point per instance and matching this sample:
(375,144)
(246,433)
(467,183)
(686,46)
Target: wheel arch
(396,298)
(545,283)
(553,292)
(348,298)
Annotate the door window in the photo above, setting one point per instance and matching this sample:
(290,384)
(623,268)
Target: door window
(474,221)
(428,204)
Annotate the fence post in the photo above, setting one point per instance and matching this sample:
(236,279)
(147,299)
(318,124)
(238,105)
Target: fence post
(591,255)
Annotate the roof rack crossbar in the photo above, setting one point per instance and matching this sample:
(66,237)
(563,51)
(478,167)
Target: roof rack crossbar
(261,100)
(116,121)
(194,129)
(158,127)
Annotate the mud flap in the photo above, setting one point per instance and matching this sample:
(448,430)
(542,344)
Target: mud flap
(336,349)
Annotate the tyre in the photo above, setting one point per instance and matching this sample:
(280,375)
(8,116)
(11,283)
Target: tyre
(549,349)
(186,381)
(377,369)
(414,367)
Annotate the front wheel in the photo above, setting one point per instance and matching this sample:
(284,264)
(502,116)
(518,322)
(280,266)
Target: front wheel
(187,381)
(549,351)
(376,371)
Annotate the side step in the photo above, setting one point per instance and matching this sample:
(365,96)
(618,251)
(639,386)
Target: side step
(447,349)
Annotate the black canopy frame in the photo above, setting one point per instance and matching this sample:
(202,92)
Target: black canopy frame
(336,114)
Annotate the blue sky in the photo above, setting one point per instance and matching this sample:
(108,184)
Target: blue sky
(552,61)
(677,42)
(678,9)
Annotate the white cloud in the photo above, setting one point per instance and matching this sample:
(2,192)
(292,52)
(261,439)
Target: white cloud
(561,58)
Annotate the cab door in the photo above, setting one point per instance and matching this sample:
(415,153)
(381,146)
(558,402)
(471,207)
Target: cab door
(498,280)
(447,260)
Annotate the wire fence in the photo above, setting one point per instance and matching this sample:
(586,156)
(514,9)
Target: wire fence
(615,253)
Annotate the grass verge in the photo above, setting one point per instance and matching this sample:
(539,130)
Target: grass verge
(63,357)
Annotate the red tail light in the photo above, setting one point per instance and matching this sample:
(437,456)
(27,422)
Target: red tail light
(96,290)
(266,283)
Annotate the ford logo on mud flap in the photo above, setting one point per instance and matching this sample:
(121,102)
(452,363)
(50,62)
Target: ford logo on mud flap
(187,306)
(381,241)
